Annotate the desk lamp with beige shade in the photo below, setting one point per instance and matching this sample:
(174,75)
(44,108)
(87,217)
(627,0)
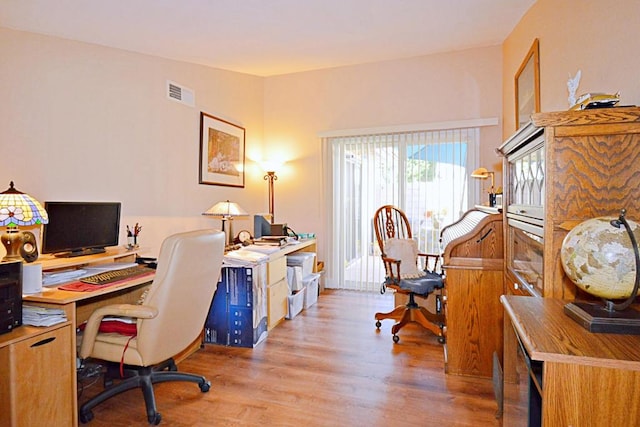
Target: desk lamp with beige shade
(226,211)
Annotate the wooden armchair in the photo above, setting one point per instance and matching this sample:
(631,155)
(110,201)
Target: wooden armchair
(407,271)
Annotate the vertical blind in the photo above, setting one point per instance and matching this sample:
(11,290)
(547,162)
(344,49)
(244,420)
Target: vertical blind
(424,173)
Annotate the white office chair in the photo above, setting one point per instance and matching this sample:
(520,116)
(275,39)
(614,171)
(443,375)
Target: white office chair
(169,319)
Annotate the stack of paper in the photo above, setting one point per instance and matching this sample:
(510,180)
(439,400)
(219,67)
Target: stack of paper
(42,316)
(244,257)
(271,241)
(266,249)
(57,277)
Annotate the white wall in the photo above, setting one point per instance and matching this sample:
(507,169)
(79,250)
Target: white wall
(86,122)
(435,88)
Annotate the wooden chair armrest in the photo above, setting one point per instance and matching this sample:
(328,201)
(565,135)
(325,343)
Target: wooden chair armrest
(389,264)
(431,262)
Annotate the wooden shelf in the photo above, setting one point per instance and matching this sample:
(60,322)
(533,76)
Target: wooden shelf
(115,253)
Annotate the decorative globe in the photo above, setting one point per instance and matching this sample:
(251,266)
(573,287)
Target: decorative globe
(599,258)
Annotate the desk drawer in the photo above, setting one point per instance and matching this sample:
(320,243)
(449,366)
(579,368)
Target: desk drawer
(276,270)
(277,303)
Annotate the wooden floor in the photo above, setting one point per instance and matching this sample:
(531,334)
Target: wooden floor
(329,366)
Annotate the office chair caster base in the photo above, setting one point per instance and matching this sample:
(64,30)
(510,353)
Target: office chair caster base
(396,338)
(85,416)
(205,386)
(154,419)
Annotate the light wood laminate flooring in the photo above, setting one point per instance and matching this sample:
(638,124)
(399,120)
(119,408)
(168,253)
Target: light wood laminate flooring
(328,366)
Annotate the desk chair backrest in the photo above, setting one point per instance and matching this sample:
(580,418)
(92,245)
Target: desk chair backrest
(390,222)
(182,290)
(416,277)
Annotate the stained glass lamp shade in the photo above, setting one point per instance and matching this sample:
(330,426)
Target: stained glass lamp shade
(18,209)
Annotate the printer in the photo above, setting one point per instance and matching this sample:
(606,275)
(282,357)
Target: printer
(10,296)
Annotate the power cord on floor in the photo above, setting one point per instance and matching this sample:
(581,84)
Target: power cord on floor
(87,375)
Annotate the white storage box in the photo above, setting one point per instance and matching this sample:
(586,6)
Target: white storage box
(295,303)
(302,259)
(294,279)
(311,284)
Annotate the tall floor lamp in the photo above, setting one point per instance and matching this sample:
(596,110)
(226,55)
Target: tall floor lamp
(271,176)
(226,211)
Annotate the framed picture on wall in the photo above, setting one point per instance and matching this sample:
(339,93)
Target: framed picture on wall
(221,152)
(527,86)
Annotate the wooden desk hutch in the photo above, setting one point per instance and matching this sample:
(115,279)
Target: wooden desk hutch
(559,170)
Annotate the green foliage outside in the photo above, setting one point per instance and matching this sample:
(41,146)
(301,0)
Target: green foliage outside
(420,170)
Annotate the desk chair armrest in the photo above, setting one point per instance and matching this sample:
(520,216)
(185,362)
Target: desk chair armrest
(93,324)
(429,262)
(392,267)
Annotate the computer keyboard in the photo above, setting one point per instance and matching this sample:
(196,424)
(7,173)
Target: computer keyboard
(116,275)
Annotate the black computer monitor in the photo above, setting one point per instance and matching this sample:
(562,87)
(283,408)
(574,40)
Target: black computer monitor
(80,228)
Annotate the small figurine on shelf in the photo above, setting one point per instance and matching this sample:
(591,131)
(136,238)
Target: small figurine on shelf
(572,87)
(132,236)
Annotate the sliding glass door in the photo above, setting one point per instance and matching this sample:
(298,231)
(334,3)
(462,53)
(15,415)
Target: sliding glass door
(426,174)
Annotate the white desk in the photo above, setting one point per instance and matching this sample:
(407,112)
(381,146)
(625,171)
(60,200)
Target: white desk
(277,289)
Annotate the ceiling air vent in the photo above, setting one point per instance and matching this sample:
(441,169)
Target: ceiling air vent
(180,93)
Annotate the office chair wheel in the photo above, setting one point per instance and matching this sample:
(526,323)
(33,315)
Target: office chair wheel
(396,338)
(85,416)
(378,324)
(154,419)
(205,386)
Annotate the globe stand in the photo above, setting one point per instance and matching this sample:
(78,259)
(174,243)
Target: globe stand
(596,318)
(610,317)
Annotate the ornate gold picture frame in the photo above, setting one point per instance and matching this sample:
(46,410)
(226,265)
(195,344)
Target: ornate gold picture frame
(221,152)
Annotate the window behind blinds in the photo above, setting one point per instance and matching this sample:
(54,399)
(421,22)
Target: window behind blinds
(424,173)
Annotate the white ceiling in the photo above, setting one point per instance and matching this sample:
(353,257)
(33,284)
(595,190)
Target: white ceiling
(271,37)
